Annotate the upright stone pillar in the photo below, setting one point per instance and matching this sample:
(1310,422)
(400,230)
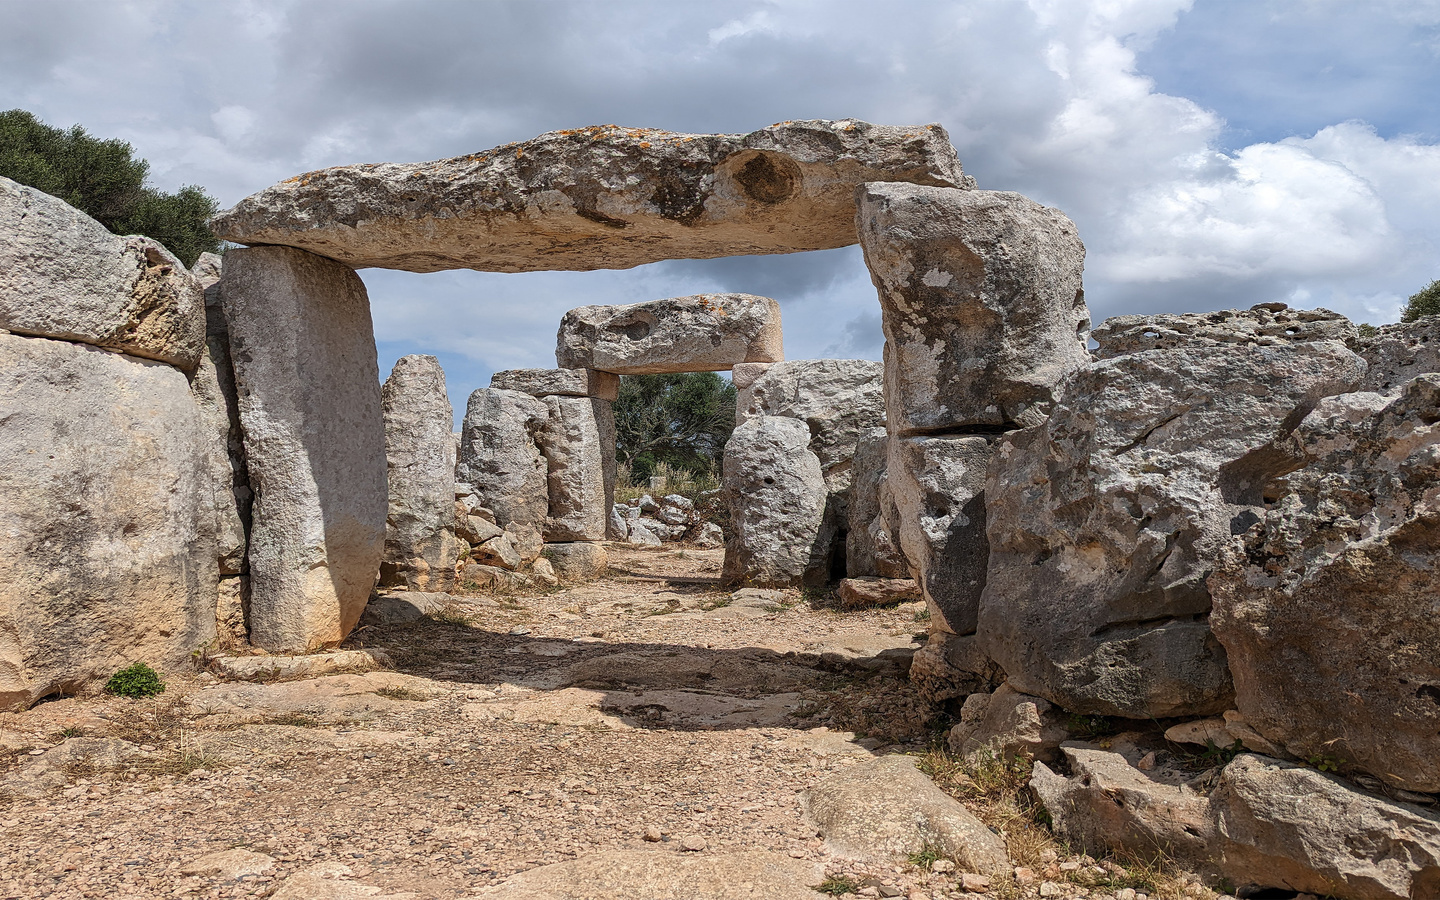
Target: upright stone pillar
(309,390)
(983,312)
(421,548)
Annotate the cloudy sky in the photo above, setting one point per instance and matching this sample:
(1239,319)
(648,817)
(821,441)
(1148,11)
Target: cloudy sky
(1215,153)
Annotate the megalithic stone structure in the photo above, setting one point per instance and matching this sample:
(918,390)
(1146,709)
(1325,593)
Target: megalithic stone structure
(421,547)
(983,312)
(309,390)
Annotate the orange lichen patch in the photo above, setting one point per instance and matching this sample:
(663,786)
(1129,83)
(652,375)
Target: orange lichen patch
(645,145)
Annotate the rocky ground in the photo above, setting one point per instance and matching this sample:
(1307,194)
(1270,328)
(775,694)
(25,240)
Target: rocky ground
(647,735)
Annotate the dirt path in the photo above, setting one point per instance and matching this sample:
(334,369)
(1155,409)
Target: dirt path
(633,713)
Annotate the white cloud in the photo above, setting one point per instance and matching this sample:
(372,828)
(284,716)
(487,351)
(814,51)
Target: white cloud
(1044,97)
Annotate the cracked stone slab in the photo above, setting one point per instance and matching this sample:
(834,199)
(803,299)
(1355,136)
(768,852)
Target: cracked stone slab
(603,197)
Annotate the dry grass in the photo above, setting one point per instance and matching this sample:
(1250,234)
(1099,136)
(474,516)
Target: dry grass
(997,791)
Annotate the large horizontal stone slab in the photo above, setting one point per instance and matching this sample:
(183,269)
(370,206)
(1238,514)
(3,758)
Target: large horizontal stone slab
(107,533)
(598,198)
(63,275)
(699,333)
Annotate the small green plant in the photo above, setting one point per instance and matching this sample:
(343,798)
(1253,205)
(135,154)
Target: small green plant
(1089,727)
(836,885)
(1325,762)
(1367,330)
(138,680)
(925,858)
(1221,756)
(922,615)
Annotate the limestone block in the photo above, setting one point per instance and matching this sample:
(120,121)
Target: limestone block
(981,303)
(836,398)
(1397,353)
(1264,325)
(776,494)
(1287,826)
(597,198)
(107,535)
(881,810)
(63,275)
(576,561)
(745,374)
(421,546)
(703,332)
(232,612)
(578,442)
(1109,806)
(1009,725)
(951,666)
(309,392)
(1331,601)
(871,547)
(938,485)
(213,387)
(559,383)
(1105,521)
(868,591)
(500,457)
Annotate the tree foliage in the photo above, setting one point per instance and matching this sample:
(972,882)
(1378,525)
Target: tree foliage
(681,420)
(104,179)
(1424,302)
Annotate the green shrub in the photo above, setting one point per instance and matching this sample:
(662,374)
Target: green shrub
(1424,302)
(138,680)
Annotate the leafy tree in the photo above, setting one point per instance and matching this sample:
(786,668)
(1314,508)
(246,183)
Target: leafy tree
(1424,302)
(103,179)
(681,420)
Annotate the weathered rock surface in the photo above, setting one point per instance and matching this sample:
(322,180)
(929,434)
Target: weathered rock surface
(1105,521)
(951,666)
(708,536)
(882,809)
(309,391)
(230,865)
(421,547)
(1263,325)
(868,591)
(659,875)
(837,399)
(559,383)
(1108,805)
(1008,725)
(776,494)
(403,607)
(938,487)
(871,547)
(107,532)
(1397,353)
(213,387)
(981,303)
(232,612)
(578,442)
(702,332)
(63,275)
(500,456)
(597,198)
(578,561)
(1288,826)
(1332,600)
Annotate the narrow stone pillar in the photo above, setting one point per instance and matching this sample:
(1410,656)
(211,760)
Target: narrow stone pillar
(309,390)
(421,548)
(984,315)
